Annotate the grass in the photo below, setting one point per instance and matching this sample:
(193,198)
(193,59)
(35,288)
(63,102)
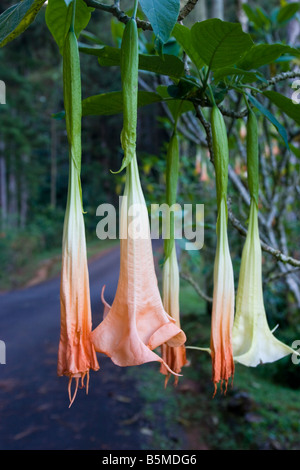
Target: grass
(259,412)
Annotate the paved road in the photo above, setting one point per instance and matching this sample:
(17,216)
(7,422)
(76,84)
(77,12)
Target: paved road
(34,411)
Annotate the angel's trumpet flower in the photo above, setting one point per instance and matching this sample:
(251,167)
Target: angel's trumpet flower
(174,357)
(136,323)
(253,341)
(223,294)
(76,354)
(223,306)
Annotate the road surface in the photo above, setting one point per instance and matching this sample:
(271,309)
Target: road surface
(34,411)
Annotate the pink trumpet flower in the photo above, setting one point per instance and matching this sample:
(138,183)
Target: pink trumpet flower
(136,323)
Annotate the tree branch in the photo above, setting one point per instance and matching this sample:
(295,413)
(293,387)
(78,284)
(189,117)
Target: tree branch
(123,18)
(193,283)
(268,249)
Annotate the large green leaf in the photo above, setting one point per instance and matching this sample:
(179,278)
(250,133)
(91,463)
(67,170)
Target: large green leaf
(182,34)
(107,104)
(168,65)
(17,18)
(287,12)
(59,16)
(271,118)
(263,54)
(162,15)
(284,104)
(219,43)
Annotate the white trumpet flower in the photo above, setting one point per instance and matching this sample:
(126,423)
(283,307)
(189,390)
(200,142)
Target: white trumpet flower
(253,341)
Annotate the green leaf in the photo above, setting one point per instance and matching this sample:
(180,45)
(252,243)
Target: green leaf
(252,15)
(111,103)
(162,16)
(270,117)
(295,150)
(258,17)
(91,37)
(91,50)
(219,43)
(170,65)
(182,34)
(263,54)
(235,71)
(284,104)
(287,12)
(17,18)
(59,15)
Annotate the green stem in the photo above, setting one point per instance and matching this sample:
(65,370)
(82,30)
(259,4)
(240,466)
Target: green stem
(136,2)
(211,95)
(72,26)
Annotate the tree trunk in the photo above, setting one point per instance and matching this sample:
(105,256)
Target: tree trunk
(3,192)
(218,9)
(241,15)
(13,196)
(24,194)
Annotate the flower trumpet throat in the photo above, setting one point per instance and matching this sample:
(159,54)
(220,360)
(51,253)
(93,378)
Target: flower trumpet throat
(136,323)
(253,341)
(223,306)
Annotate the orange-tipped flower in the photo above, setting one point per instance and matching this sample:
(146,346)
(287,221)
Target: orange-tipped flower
(174,357)
(76,355)
(136,323)
(223,306)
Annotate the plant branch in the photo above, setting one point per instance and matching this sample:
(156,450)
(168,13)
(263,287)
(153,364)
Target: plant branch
(193,283)
(279,78)
(268,249)
(115,10)
(207,128)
